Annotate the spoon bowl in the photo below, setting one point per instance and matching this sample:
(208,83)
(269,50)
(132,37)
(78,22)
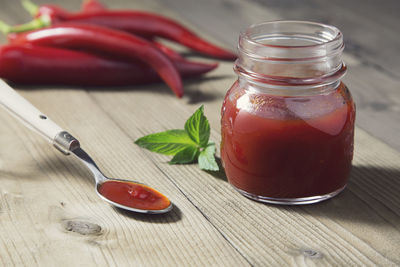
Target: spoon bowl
(101,179)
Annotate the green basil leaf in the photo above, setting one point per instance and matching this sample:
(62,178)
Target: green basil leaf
(187,155)
(207,159)
(168,143)
(198,127)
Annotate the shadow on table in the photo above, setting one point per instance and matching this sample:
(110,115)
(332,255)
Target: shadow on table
(197,57)
(220,174)
(372,196)
(170,217)
(196,96)
(191,91)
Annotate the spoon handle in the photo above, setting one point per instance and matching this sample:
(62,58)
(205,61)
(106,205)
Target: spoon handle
(32,118)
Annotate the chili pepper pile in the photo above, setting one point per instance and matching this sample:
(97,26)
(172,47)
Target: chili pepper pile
(101,47)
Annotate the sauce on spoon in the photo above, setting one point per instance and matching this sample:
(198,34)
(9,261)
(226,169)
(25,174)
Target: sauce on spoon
(134,195)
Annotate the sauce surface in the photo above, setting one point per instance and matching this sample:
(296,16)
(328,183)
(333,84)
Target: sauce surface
(134,195)
(287,147)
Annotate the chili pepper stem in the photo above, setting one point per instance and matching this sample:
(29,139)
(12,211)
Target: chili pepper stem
(31,7)
(38,23)
(4,28)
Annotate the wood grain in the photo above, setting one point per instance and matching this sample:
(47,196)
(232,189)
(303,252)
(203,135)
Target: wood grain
(50,214)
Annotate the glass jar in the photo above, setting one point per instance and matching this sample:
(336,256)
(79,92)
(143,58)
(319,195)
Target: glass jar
(288,121)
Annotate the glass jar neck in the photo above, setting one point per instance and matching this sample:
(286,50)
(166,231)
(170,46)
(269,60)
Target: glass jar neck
(252,86)
(292,55)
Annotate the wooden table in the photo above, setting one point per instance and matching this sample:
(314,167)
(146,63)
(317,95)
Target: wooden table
(51,216)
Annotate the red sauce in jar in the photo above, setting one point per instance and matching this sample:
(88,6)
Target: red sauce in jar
(134,195)
(287,147)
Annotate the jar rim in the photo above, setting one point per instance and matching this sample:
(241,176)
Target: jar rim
(291,52)
(337,33)
(291,40)
(278,81)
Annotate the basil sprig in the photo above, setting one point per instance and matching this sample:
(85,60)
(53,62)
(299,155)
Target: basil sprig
(186,146)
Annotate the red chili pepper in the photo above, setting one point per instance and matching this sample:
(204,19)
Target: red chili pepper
(47,65)
(138,22)
(92,6)
(109,41)
(95,6)
(172,54)
(168,51)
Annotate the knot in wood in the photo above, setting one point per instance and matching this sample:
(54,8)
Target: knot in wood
(313,254)
(82,227)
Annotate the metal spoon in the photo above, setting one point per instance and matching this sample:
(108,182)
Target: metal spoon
(61,139)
